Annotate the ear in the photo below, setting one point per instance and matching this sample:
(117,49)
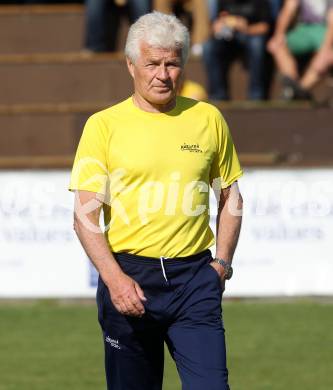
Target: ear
(130,67)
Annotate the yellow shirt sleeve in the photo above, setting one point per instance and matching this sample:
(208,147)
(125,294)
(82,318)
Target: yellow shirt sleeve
(225,168)
(90,169)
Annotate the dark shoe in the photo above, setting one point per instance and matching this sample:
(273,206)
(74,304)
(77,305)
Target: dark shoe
(291,90)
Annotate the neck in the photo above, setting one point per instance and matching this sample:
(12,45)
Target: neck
(151,107)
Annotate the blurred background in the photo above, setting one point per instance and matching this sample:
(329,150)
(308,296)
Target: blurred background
(60,62)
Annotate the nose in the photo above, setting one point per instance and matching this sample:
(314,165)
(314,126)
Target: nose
(162,72)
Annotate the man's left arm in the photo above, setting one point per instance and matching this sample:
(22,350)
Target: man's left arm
(228,225)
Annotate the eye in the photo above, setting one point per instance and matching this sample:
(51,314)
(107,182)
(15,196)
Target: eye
(173,65)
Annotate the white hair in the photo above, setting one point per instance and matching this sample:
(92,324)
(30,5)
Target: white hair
(157,30)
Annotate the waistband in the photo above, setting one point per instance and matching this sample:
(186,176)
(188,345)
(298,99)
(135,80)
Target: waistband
(137,259)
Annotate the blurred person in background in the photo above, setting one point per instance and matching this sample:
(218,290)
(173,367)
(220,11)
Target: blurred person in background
(312,34)
(213,7)
(199,23)
(103,19)
(240,29)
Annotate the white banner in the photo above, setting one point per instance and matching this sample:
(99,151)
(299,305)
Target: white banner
(286,243)
(285,248)
(40,255)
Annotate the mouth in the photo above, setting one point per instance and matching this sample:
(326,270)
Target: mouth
(162,87)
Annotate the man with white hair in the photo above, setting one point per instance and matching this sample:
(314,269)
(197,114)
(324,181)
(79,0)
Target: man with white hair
(148,163)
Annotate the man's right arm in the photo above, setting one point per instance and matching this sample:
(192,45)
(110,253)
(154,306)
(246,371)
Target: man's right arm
(125,293)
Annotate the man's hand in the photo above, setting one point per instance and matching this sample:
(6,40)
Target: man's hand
(239,24)
(218,24)
(126,295)
(220,271)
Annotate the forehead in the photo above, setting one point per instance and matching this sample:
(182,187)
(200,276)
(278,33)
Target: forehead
(148,51)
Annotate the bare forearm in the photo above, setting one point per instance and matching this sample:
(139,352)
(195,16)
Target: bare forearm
(227,235)
(125,293)
(228,222)
(257,29)
(98,251)
(287,14)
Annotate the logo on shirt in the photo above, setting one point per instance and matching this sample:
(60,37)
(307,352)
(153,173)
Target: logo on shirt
(192,148)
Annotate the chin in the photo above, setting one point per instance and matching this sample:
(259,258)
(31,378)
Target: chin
(162,98)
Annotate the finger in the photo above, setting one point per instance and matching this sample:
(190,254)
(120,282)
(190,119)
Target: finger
(122,308)
(134,306)
(139,308)
(130,307)
(118,303)
(140,292)
(133,301)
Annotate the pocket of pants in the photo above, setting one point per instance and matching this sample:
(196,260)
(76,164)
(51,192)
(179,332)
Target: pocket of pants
(100,297)
(220,282)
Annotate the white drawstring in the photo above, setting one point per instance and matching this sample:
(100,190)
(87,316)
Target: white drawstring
(163,269)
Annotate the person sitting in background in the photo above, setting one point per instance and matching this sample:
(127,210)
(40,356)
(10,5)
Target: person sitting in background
(213,7)
(240,28)
(198,9)
(313,33)
(102,21)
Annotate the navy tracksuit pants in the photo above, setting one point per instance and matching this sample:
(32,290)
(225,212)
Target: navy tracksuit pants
(183,308)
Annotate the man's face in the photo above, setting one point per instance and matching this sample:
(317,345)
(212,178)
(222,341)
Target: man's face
(156,74)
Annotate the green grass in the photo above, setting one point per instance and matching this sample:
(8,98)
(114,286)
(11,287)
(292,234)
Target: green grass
(49,345)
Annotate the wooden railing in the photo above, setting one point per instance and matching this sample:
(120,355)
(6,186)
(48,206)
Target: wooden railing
(66,161)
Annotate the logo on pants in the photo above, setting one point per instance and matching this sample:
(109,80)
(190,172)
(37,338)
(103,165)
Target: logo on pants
(114,343)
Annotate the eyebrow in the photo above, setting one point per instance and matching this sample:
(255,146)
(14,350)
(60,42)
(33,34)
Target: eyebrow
(157,61)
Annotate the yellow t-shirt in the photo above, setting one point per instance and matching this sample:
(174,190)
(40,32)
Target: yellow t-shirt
(155,171)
